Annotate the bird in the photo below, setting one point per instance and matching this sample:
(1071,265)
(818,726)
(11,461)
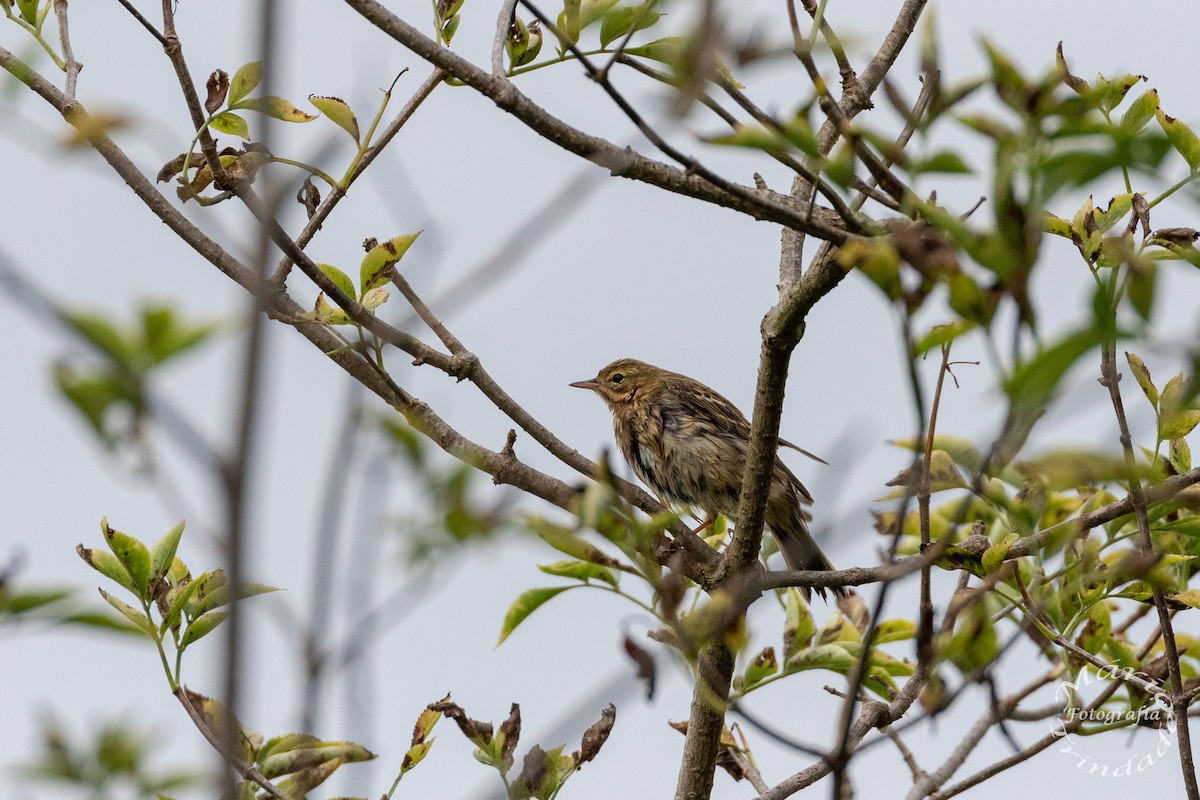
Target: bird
(689,445)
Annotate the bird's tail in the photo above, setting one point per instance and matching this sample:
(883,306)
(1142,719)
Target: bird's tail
(800,551)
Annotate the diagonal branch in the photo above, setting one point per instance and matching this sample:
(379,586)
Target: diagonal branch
(623,162)
(504,467)
(335,196)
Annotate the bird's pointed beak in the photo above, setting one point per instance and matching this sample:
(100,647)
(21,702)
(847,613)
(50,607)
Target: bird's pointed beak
(588,384)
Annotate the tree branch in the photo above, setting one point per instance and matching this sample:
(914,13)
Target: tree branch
(623,162)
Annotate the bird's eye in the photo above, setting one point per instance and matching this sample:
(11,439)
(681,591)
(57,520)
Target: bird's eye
(616,379)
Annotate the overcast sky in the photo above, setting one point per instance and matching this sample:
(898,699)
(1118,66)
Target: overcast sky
(632,272)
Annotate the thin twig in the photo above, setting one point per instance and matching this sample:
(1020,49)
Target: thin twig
(231,756)
(435,79)
(68,55)
(622,162)
(1109,378)
(174,51)
(849,77)
(503,23)
(906,754)
(149,26)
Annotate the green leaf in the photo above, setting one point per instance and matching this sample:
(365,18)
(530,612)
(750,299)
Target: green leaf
(826,656)
(281,744)
(580,571)
(1175,419)
(941,334)
(244,81)
(526,603)
(29,10)
(96,619)
(960,450)
(761,667)
(133,555)
(1179,424)
(24,602)
(284,762)
(177,600)
(338,111)
(993,557)
(230,123)
(202,626)
(1189,597)
(205,584)
(945,161)
(1034,382)
(1111,92)
(165,335)
(276,107)
(1118,207)
(1057,226)
(798,627)
(107,565)
(756,137)
(666,50)
(222,595)
(139,619)
(1142,375)
(448,29)
(299,784)
(1183,139)
(895,630)
(163,554)
(103,335)
(625,19)
(341,279)
(376,263)
(1140,111)
(374,298)
(416,754)
(570,543)
(1181,455)
(1142,280)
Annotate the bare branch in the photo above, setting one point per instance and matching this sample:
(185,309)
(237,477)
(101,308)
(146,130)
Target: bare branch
(144,22)
(622,162)
(503,22)
(435,79)
(64,38)
(1109,378)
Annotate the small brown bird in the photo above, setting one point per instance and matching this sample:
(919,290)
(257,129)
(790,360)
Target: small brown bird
(689,445)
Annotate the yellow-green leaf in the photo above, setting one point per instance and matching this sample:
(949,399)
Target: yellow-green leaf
(580,571)
(132,614)
(277,107)
(1142,375)
(107,565)
(338,111)
(526,603)
(1183,139)
(339,278)
(244,81)
(133,555)
(163,554)
(376,263)
(231,123)
(202,626)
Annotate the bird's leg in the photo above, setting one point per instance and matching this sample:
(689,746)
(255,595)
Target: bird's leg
(706,524)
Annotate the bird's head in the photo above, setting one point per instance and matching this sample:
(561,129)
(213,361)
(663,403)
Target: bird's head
(620,381)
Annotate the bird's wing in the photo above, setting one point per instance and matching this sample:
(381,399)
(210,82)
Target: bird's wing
(785,443)
(725,418)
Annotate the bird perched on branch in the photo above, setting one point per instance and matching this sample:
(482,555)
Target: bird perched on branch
(689,445)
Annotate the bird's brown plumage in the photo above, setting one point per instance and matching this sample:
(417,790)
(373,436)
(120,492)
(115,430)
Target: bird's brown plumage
(689,445)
